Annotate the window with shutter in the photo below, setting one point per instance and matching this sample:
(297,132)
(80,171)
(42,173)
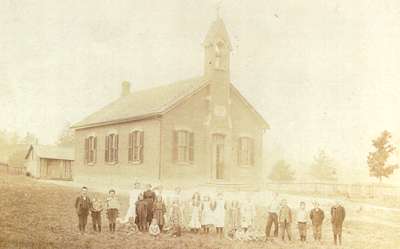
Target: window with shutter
(183,148)
(246,151)
(90,150)
(111,148)
(136,140)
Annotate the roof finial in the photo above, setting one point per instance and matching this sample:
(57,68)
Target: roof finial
(218,8)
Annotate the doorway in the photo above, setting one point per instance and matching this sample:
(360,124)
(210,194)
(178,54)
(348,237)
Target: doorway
(219,155)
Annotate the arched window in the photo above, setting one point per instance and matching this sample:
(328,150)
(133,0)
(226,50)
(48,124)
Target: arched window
(111,148)
(136,146)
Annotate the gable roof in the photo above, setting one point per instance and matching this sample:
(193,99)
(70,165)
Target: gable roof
(151,103)
(247,103)
(52,152)
(142,104)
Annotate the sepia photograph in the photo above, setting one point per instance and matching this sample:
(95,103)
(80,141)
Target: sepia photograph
(213,124)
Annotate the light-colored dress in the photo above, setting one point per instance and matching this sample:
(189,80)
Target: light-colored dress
(234,215)
(133,197)
(219,213)
(247,214)
(154,230)
(195,217)
(206,213)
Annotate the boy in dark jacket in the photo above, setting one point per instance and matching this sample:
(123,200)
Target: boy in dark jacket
(338,214)
(82,206)
(317,217)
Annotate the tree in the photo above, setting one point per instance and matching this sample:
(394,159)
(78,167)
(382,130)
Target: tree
(282,172)
(377,160)
(323,167)
(29,139)
(66,137)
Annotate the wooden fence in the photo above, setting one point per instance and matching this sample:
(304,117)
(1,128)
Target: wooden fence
(346,190)
(10,170)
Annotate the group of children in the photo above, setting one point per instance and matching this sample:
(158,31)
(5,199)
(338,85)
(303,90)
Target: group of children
(83,205)
(149,212)
(281,216)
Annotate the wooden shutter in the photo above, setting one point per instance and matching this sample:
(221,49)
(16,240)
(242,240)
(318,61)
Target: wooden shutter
(141,147)
(239,152)
(106,150)
(86,150)
(94,149)
(191,146)
(251,145)
(116,148)
(130,148)
(135,151)
(175,146)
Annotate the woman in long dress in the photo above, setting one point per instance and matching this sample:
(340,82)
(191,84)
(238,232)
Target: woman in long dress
(195,223)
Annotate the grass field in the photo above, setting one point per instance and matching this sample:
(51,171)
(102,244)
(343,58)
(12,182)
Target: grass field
(40,215)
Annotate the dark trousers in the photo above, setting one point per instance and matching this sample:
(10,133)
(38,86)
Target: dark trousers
(96,221)
(302,230)
(272,219)
(337,232)
(317,229)
(82,222)
(285,228)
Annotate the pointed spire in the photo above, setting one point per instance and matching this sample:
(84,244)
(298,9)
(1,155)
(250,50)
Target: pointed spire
(216,33)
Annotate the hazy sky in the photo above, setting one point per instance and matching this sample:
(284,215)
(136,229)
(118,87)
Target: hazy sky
(324,74)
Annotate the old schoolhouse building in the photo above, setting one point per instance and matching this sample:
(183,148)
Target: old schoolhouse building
(191,132)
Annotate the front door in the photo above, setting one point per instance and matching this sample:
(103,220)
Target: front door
(219,155)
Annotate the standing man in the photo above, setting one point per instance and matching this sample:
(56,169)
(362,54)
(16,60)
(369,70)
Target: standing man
(149,198)
(317,217)
(285,220)
(338,214)
(273,210)
(302,221)
(82,206)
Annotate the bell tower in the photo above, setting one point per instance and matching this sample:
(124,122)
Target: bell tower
(217,49)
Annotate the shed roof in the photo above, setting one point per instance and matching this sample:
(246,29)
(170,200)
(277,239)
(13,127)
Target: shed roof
(52,152)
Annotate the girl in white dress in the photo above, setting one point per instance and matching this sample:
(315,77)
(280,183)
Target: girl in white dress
(133,197)
(195,223)
(219,214)
(247,214)
(206,214)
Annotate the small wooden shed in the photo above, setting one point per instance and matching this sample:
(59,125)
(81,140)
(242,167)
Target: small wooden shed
(49,162)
